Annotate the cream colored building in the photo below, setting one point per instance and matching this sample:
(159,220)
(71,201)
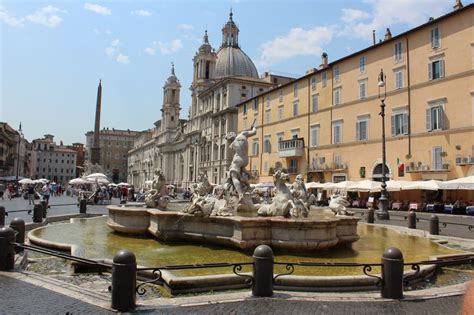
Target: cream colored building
(326,124)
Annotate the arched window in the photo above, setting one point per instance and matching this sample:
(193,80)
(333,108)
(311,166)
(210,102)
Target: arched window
(377,173)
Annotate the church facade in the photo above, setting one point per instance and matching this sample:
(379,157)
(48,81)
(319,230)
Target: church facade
(184,149)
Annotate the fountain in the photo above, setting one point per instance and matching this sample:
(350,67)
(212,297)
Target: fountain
(232,218)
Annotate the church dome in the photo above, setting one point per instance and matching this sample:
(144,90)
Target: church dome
(232,61)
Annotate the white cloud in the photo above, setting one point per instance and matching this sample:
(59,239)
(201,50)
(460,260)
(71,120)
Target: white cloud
(8,19)
(351,15)
(141,12)
(123,59)
(46,16)
(97,9)
(298,42)
(112,49)
(184,26)
(164,48)
(385,13)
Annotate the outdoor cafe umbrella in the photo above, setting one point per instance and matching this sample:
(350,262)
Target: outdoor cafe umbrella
(96,175)
(123,184)
(25,181)
(423,185)
(97,180)
(365,185)
(313,185)
(464,183)
(78,181)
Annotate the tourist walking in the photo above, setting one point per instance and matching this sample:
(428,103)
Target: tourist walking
(31,194)
(46,193)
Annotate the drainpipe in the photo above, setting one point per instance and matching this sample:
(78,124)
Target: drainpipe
(409,97)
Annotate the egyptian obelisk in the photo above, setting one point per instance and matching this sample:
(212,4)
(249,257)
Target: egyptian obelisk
(95,156)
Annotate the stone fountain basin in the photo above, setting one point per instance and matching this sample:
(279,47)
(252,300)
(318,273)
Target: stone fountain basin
(244,233)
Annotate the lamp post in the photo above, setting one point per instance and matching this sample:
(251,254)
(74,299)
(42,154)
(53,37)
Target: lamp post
(20,135)
(382,213)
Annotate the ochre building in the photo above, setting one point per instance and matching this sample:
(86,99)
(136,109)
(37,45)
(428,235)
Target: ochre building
(326,124)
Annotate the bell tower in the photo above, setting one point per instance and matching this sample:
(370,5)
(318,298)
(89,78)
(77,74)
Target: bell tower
(171,108)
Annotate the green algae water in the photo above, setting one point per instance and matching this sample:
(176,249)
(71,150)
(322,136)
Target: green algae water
(95,240)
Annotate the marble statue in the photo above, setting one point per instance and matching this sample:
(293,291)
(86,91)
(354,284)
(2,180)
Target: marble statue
(338,205)
(157,196)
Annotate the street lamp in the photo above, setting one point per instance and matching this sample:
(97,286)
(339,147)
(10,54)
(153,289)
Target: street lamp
(20,135)
(382,213)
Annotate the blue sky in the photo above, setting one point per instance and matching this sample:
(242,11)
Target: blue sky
(53,53)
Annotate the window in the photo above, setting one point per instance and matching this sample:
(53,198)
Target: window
(324,79)
(315,103)
(243,95)
(362,62)
(398,52)
(435,117)
(362,89)
(362,129)
(314,135)
(435,37)
(313,82)
(399,79)
(268,100)
(245,109)
(265,167)
(295,109)
(337,132)
(280,95)
(244,123)
(266,144)
(436,69)
(267,116)
(255,104)
(295,133)
(338,161)
(279,137)
(437,160)
(295,89)
(255,147)
(280,112)
(293,168)
(399,123)
(336,73)
(337,96)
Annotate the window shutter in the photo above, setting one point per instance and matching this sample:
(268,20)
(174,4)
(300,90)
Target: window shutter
(405,123)
(428,119)
(442,118)
(432,36)
(441,68)
(393,125)
(430,71)
(357,131)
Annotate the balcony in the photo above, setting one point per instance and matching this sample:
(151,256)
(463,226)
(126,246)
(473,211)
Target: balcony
(424,168)
(332,167)
(291,148)
(464,160)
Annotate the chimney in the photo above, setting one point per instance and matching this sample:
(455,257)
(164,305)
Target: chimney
(324,61)
(388,34)
(373,37)
(458,5)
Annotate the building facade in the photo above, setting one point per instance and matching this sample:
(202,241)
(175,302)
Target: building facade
(52,161)
(326,124)
(221,80)
(15,152)
(114,147)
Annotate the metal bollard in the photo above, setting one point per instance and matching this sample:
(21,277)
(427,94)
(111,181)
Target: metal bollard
(370,216)
(412,220)
(2,216)
(18,225)
(45,208)
(7,250)
(83,205)
(38,213)
(434,225)
(262,271)
(124,279)
(392,274)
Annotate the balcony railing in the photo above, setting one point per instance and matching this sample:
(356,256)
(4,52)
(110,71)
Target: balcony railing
(290,148)
(292,170)
(423,168)
(332,167)
(465,160)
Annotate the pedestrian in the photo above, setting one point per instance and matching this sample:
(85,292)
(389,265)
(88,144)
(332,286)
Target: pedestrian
(31,194)
(46,193)
(2,189)
(11,191)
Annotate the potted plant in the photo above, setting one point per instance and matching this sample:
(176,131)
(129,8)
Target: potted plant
(408,156)
(444,154)
(458,147)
